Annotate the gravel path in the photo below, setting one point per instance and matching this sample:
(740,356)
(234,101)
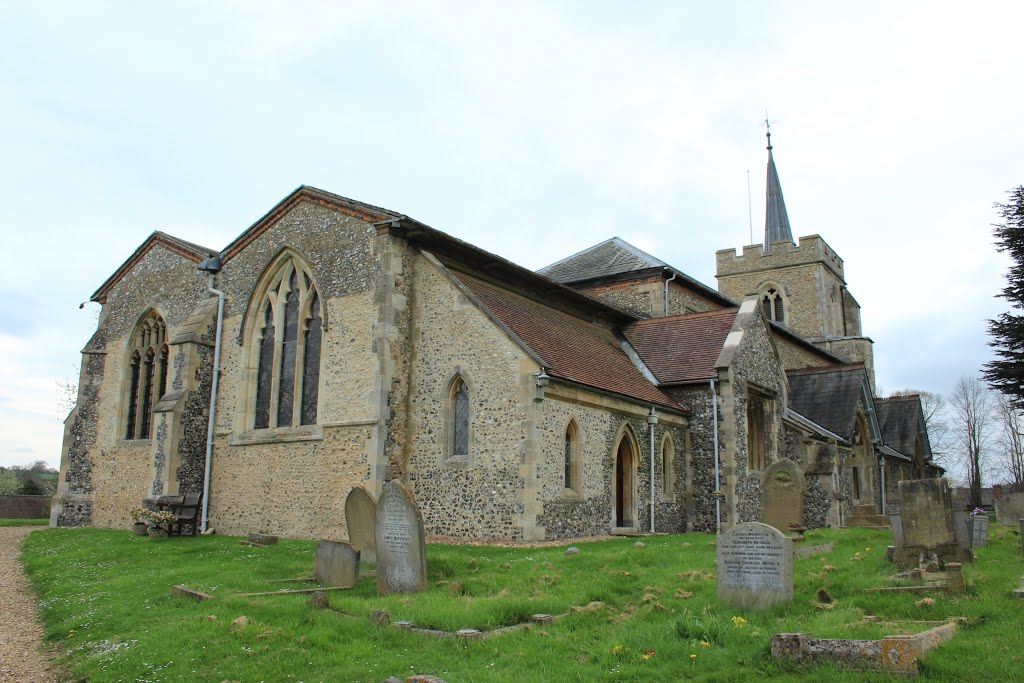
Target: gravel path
(22,657)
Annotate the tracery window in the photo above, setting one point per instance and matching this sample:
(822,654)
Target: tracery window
(147,375)
(773,306)
(459,412)
(288,335)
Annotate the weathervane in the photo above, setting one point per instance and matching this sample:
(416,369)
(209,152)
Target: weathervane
(768,129)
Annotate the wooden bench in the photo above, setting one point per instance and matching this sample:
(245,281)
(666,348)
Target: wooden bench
(185,508)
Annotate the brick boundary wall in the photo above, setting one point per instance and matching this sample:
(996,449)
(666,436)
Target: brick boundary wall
(25,507)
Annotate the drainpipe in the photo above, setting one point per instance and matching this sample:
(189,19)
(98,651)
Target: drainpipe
(882,467)
(718,497)
(652,420)
(666,291)
(212,265)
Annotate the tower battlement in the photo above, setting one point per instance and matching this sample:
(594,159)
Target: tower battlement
(812,249)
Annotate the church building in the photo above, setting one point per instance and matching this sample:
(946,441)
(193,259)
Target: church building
(336,344)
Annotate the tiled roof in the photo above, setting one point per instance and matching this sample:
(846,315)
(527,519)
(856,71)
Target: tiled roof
(610,257)
(573,349)
(901,419)
(682,348)
(828,396)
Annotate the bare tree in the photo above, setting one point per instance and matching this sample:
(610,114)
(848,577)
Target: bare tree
(971,413)
(1011,440)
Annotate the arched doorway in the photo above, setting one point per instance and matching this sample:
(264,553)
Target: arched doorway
(625,483)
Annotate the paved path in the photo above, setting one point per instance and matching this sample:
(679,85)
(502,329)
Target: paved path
(22,657)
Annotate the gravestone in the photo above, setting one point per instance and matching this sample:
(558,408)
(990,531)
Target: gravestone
(401,553)
(1021,522)
(929,525)
(360,512)
(896,522)
(783,496)
(960,514)
(1009,508)
(979,530)
(336,564)
(755,566)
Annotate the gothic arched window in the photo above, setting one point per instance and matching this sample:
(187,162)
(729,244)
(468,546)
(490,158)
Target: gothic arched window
(459,412)
(668,467)
(771,303)
(288,337)
(147,376)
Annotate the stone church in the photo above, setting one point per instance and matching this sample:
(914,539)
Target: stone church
(335,344)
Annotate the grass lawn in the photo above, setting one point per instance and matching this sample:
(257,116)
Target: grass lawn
(24,522)
(105,598)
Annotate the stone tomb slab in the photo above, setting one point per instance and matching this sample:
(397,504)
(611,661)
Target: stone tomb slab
(755,566)
(336,564)
(783,495)
(360,516)
(400,541)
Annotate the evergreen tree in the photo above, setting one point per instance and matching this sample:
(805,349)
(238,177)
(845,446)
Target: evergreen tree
(1006,373)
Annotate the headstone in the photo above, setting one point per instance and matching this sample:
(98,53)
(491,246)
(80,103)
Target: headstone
(1021,522)
(360,513)
(783,495)
(1010,507)
(929,524)
(960,510)
(979,531)
(336,564)
(896,522)
(400,540)
(755,566)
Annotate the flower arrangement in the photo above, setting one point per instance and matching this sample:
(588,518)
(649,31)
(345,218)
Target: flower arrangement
(163,518)
(977,511)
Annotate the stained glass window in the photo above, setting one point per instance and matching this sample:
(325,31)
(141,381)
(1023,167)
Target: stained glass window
(568,459)
(147,376)
(460,413)
(288,357)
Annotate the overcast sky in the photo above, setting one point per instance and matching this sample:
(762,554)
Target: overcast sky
(532,130)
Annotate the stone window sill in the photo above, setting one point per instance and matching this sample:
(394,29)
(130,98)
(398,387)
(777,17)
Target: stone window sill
(570,495)
(279,435)
(135,442)
(457,462)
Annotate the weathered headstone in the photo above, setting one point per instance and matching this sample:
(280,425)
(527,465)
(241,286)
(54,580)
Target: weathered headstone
(960,514)
(336,564)
(400,540)
(896,522)
(1009,507)
(360,513)
(755,566)
(979,530)
(783,495)
(929,524)
(1021,522)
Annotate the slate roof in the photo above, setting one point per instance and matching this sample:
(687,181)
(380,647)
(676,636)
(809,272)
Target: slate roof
(571,348)
(901,419)
(682,348)
(828,396)
(776,220)
(610,257)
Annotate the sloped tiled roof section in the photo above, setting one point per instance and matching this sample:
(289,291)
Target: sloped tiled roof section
(828,396)
(610,257)
(572,349)
(682,348)
(901,419)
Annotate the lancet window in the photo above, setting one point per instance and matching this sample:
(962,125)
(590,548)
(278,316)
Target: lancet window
(459,412)
(288,338)
(147,375)
(773,306)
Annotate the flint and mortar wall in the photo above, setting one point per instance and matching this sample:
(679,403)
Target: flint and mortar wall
(645,297)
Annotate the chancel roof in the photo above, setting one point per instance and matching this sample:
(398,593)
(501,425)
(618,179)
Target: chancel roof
(829,396)
(901,420)
(682,348)
(569,347)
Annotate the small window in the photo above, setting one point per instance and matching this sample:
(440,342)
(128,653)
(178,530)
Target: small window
(571,468)
(460,417)
(668,468)
(771,304)
(147,376)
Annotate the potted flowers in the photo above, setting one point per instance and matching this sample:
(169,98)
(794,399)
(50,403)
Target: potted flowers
(140,526)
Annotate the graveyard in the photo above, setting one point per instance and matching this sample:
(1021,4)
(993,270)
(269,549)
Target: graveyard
(623,609)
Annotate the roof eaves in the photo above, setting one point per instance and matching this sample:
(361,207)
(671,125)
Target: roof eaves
(799,419)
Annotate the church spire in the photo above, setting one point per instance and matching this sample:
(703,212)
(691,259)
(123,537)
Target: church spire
(776,220)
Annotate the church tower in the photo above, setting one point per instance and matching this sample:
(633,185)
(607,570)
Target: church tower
(800,286)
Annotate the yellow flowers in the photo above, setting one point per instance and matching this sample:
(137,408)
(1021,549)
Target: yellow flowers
(617,649)
(647,655)
(739,622)
(693,656)
(705,643)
